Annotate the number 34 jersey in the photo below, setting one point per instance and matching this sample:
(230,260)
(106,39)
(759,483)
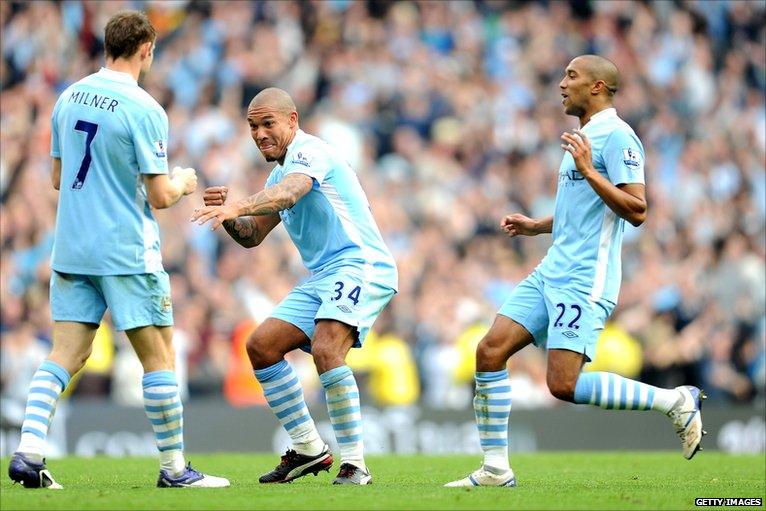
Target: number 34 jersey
(108,132)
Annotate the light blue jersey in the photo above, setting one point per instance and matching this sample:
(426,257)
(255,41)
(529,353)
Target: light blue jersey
(107,131)
(587,234)
(332,225)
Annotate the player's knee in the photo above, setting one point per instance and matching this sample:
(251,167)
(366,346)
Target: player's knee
(261,352)
(490,350)
(326,356)
(561,389)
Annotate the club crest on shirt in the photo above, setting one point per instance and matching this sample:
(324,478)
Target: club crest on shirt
(302,159)
(631,157)
(159,149)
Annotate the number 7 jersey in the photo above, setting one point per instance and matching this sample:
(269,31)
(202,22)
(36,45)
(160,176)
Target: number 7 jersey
(107,131)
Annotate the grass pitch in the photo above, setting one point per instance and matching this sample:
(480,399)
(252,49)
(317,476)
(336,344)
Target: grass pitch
(571,480)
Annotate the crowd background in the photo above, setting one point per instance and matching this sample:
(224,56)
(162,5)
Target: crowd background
(451,115)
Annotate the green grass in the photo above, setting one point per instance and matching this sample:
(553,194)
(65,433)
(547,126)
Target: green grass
(571,480)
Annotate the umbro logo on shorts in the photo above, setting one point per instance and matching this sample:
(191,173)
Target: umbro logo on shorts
(344,308)
(569,334)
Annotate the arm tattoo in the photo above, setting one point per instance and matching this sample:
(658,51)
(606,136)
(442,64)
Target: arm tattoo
(274,199)
(244,230)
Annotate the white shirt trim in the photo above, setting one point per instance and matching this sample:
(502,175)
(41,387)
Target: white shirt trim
(117,76)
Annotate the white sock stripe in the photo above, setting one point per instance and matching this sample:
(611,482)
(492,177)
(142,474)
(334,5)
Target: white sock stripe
(501,395)
(604,382)
(36,426)
(292,416)
(160,389)
(168,402)
(161,428)
(643,395)
(493,434)
(355,430)
(287,404)
(45,398)
(34,410)
(285,392)
(175,439)
(281,381)
(497,408)
(615,392)
(356,416)
(161,415)
(54,386)
(630,395)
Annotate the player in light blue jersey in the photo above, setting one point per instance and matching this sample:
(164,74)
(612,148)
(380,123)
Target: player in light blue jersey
(109,149)
(317,196)
(563,304)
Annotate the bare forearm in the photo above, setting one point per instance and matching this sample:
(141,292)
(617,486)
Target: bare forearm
(627,206)
(276,198)
(544,225)
(268,201)
(243,230)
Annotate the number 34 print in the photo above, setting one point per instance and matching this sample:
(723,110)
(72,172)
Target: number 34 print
(340,292)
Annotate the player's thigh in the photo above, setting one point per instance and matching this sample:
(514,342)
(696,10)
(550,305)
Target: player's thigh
(349,299)
(504,338)
(138,300)
(153,346)
(576,321)
(527,308)
(298,308)
(75,298)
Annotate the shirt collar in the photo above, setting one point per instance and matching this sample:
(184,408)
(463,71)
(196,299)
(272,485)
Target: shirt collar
(117,76)
(603,114)
(298,133)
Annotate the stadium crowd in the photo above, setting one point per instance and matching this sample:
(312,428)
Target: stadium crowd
(451,115)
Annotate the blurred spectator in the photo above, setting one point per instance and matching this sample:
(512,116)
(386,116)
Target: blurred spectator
(450,113)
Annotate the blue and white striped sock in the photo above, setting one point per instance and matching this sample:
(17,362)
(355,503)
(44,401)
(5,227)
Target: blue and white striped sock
(165,411)
(345,413)
(615,392)
(492,407)
(48,382)
(284,394)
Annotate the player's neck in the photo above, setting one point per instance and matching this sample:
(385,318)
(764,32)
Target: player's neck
(131,67)
(593,111)
(281,160)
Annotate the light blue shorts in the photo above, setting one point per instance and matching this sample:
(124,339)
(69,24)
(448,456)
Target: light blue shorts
(557,318)
(133,300)
(342,295)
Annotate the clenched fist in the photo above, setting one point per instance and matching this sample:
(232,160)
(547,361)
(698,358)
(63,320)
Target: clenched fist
(215,195)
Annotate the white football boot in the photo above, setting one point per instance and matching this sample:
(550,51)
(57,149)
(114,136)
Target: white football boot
(485,476)
(687,419)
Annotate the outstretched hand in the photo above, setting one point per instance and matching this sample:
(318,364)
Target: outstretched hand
(218,215)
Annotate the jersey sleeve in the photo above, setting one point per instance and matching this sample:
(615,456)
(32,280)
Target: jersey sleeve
(150,140)
(623,156)
(310,160)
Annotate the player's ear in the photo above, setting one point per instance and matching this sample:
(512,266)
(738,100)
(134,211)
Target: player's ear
(293,119)
(598,87)
(145,50)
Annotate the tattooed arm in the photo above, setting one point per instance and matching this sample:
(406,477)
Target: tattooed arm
(274,199)
(260,211)
(249,231)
